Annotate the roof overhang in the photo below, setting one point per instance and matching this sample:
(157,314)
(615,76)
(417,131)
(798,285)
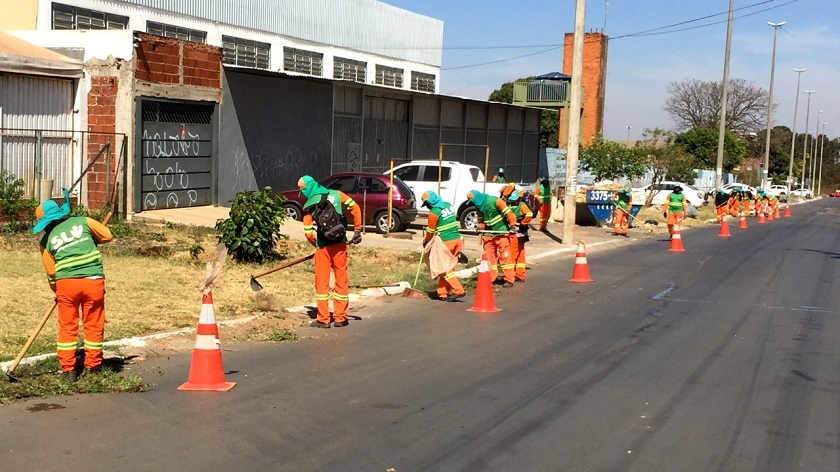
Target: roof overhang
(20,57)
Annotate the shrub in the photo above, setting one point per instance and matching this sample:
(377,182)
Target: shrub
(254,225)
(13,205)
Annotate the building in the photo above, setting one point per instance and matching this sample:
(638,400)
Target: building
(191,101)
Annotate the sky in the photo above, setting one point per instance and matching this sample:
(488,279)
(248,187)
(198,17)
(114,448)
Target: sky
(640,67)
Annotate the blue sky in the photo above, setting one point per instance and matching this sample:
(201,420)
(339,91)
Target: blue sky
(641,67)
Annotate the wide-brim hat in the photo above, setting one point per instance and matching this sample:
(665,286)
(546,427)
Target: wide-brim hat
(50,211)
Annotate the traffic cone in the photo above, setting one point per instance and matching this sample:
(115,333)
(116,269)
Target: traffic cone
(206,371)
(787,210)
(769,214)
(580,274)
(761,219)
(484,301)
(742,222)
(776,211)
(676,240)
(724,229)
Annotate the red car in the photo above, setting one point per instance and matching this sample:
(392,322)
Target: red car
(373,203)
(836,193)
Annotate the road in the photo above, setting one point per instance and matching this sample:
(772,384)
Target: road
(722,358)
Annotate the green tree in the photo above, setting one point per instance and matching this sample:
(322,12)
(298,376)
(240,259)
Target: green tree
(549,120)
(703,144)
(779,151)
(610,160)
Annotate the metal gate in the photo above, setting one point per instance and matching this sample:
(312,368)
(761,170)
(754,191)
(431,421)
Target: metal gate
(175,155)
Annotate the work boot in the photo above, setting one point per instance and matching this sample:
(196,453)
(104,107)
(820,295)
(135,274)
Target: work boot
(507,284)
(318,324)
(89,371)
(341,324)
(456,296)
(444,298)
(69,376)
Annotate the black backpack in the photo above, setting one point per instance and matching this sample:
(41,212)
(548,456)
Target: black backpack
(329,224)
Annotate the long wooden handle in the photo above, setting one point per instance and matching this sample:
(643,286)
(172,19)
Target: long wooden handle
(284,266)
(32,337)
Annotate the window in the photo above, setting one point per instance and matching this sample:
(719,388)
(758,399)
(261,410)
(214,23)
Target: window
(348,69)
(245,53)
(430,174)
(73,18)
(177,32)
(422,82)
(373,185)
(408,173)
(344,184)
(389,76)
(305,62)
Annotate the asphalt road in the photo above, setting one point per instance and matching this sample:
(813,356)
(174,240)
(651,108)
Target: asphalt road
(723,358)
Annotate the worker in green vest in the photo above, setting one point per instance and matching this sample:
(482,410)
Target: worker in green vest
(622,201)
(500,176)
(443,221)
(543,194)
(496,222)
(675,208)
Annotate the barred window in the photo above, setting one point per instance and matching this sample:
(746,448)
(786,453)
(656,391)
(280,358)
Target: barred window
(300,60)
(245,53)
(73,18)
(389,76)
(348,69)
(177,32)
(422,82)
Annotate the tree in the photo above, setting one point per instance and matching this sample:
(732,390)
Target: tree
(703,144)
(695,104)
(666,160)
(610,160)
(549,120)
(779,152)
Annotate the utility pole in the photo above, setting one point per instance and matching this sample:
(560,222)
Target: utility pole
(793,131)
(822,148)
(723,100)
(814,151)
(765,182)
(569,204)
(805,140)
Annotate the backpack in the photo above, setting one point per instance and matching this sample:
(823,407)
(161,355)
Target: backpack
(329,225)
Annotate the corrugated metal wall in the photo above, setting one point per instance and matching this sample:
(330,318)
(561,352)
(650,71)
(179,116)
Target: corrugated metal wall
(364,25)
(34,103)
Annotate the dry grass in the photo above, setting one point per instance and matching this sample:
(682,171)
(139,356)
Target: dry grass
(151,282)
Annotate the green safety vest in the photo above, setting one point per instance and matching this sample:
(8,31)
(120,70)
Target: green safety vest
(72,246)
(492,218)
(447,224)
(675,205)
(545,194)
(309,206)
(623,201)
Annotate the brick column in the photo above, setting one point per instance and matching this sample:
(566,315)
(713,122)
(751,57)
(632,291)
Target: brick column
(101,107)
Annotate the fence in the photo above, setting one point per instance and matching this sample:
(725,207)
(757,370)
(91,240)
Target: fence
(50,160)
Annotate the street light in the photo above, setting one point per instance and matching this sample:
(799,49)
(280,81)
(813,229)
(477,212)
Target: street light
(793,130)
(805,139)
(822,147)
(814,151)
(628,132)
(764,182)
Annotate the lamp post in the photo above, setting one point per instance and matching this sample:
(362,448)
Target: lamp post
(822,147)
(805,139)
(764,180)
(814,151)
(793,130)
(723,98)
(628,132)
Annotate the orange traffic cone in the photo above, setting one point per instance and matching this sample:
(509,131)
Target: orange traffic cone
(206,371)
(761,219)
(742,222)
(787,210)
(724,229)
(776,211)
(580,274)
(769,214)
(484,301)
(676,240)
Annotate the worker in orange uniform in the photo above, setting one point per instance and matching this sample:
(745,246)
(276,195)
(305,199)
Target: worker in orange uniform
(721,205)
(74,270)
(746,198)
(497,222)
(505,192)
(523,215)
(623,201)
(675,208)
(500,176)
(543,194)
(734,202)
(331,252)
(443,221)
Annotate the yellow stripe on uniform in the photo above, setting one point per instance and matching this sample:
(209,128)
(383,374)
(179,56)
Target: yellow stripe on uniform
(78,260)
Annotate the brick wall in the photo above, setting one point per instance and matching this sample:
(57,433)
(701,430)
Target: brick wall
(593,80)
(101,107)
(171,61)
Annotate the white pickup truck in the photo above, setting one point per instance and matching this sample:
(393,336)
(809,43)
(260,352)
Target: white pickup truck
(456,179)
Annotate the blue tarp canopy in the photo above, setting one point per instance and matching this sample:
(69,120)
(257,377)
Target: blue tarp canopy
(554,76)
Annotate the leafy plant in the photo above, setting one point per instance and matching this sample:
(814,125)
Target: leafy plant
(282,335)
(254,225)
(195,250)
(120,228)
(12,203)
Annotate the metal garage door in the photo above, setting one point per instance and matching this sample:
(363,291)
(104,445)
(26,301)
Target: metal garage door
(175,153)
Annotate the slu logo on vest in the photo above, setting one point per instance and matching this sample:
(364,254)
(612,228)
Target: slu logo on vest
(446,213)
(62,241)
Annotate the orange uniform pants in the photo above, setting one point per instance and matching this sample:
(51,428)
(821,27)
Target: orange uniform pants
(89,296)
(497,250)
(720,211)
(734,207)
(622,221)
(332,258)
(517,254)
(448,282)
(746,208)
(674,219)
(545,214)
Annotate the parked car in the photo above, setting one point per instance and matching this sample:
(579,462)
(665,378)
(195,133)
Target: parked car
(373,203)
(802,193)
(456,179)
(779,191)
(728,188)
(663,189)
(836,193)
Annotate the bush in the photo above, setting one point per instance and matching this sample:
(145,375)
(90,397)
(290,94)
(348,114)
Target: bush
(254,225)
(12,204)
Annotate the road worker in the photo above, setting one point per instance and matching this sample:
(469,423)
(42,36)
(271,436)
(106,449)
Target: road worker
(746,197)
(331,252)
(74,270)
(497,222)
(505,192)
(543,194)
(500,176)
(760,203)
(523,215)
(675,208)
(622,201)
(721,205)
(443,221)
(774,205)
(734,202)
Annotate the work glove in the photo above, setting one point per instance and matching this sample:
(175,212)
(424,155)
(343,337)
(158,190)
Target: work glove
(357,237)
(513,229)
